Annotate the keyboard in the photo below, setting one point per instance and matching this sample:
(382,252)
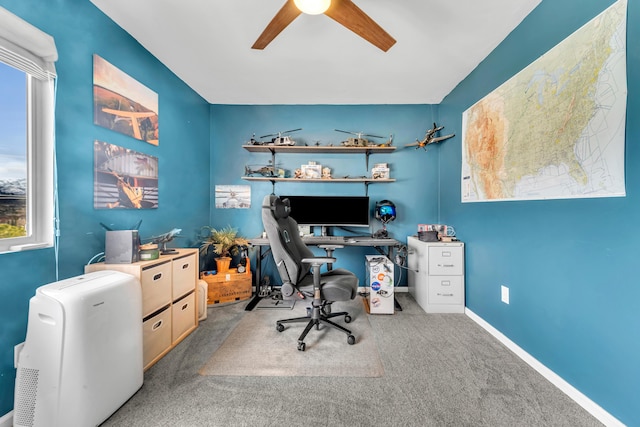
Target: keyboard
(371,240)
(312,239)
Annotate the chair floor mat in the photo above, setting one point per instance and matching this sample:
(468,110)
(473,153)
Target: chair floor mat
(256,348)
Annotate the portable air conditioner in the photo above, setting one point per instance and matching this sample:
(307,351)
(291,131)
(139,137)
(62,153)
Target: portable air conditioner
(82,358)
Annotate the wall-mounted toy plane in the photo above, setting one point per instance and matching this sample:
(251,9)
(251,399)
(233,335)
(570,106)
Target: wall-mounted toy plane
(430,138)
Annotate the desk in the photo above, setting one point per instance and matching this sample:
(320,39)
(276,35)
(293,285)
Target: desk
(380,244)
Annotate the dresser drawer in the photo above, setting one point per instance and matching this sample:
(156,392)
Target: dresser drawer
(185,275)
(446,260)
(156,336)
(183,316)
(446,290)
(156,287)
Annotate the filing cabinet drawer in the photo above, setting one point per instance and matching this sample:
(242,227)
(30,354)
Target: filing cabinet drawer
(156,336)
(185,275)
(156,287)
(446,260)
(446,290)
(184,315)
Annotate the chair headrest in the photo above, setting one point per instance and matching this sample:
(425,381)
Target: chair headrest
(281,208)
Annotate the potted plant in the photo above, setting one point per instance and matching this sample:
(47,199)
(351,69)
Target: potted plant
(224,243)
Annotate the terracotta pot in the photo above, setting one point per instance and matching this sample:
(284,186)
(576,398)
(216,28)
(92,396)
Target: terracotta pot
(223,264)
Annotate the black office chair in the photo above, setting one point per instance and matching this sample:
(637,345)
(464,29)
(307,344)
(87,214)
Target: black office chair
(299,270)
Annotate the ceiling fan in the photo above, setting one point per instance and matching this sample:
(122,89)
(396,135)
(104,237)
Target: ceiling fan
(344,12)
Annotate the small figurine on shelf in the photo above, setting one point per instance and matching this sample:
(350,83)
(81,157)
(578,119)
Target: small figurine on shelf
(297,173)
(326,173)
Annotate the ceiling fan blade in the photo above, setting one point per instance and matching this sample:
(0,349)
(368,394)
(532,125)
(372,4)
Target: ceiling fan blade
(351,16)
(284,17)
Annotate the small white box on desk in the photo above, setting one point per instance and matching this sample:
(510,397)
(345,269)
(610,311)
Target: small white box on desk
(380,280)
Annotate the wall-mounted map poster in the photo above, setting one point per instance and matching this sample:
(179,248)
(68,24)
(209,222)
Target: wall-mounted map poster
(123,104)
(556,129)
(123,178)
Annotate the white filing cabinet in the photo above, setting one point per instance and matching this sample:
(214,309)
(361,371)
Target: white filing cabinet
(436,275)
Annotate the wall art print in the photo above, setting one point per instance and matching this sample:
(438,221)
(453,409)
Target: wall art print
(233,196)
(123,104)
(123,178)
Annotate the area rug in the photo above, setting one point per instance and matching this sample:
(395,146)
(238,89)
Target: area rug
(256,348)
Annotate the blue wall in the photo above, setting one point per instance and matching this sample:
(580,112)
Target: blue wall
(571,265)
(80,30)
(414,193)
(574,297)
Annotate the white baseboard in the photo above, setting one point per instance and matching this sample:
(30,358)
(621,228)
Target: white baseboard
(7,420)
(589,405)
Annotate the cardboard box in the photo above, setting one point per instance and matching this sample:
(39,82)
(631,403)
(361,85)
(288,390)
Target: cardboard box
(380,280)
(227,287)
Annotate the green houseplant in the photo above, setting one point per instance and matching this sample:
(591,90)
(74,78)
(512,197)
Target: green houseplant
(223,242)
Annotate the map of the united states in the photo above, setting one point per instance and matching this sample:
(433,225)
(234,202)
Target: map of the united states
(556,129)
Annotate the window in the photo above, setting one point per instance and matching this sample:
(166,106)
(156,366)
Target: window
(13,152)
(27,78)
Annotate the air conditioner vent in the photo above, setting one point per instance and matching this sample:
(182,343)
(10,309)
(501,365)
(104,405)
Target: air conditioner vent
(26,397)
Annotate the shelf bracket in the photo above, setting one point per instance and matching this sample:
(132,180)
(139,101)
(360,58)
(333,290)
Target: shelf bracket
(366,188)
(366,156)
(273,158)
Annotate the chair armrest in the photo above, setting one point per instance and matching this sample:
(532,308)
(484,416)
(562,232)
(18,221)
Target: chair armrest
(332,247)
(318,260)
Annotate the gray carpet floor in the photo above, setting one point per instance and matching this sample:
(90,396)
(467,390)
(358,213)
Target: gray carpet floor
(439,370)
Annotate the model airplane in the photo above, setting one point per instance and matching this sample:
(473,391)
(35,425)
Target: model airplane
(430,138)
(164,238)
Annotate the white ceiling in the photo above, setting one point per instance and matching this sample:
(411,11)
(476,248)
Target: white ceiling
(315,60)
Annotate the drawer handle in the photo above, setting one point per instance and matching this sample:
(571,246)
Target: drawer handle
(446,283)
(156,325)
(185,266)
(184,307)
(445,295)
(157,276)
(446,265)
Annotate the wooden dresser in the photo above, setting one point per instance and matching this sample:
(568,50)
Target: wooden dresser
(169,299)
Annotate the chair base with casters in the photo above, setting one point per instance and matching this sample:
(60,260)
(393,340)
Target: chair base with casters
(320,313)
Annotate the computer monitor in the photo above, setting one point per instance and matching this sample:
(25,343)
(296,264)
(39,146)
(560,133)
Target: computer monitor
(339,211)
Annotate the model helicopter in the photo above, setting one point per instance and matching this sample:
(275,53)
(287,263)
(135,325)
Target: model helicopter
(268,171)
(430,138)
(279,138)
(358,141)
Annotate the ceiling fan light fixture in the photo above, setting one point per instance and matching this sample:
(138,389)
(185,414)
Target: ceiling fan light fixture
(312,7)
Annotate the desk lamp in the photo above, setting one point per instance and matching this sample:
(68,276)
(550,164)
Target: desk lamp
(385,212)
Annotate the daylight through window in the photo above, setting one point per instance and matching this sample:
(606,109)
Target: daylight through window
(13,152)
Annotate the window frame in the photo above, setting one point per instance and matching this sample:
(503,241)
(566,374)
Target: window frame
(33,52)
